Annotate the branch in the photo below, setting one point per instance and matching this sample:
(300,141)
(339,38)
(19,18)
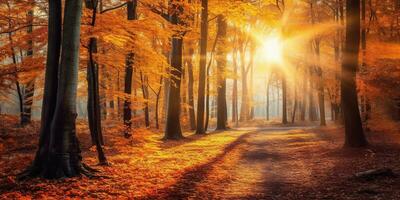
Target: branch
(19,28)
(211,19)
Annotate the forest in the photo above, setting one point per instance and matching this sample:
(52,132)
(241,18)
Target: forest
(200,99)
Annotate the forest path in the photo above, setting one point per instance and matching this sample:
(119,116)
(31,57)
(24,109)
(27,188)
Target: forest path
(291,163)
(270,163)
(265,163)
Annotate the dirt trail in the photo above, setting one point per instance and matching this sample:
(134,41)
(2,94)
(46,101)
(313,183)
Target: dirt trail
(283,163)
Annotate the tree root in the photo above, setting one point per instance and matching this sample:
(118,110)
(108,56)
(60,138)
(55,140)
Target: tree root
(81,169)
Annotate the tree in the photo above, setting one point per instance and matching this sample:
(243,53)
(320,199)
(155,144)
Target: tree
(235,115)
(203,64)
(352,121)
(190,88)
(93,103)
(59,153)
(173,125)
(132,15)
(221,65)
(244,108)
(268,96)
(284,99)
(30,87)
(145,92)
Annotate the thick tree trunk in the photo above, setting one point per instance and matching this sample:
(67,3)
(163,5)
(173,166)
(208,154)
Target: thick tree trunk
(64,156)
(353,128)
(173,125)
(366,102)
(50,89)
(59,153)
(203,65)
(221,65)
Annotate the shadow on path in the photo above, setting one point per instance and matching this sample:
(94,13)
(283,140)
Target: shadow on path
(186,185)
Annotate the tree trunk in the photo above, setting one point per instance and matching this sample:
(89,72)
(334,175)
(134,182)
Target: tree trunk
(321,91)
(311,101)
(268,96)
(221,65)
(145,93)
(93,103)
(295,97)
(59,153)
(203,64)
(235,90)
(173,125)
(50,90)
(244,111)
(251,114)
(295,106)
(207,114)
(190,89)
(30,87)
(94,115)
(244,108)
(353,128)
(158,95)
(284,99)
(366,103)
(132,15)
(17,84)
(304,98)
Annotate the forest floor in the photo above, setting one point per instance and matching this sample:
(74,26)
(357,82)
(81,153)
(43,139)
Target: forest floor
(247,163)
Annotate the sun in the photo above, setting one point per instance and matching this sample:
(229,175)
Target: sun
(270,50)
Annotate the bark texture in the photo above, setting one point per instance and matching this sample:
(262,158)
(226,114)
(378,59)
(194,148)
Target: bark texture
(352,121)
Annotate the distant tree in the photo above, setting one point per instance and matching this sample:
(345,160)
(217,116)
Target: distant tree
(284,99)
(30,86)
(235,109)
(145,92)
(221,68)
